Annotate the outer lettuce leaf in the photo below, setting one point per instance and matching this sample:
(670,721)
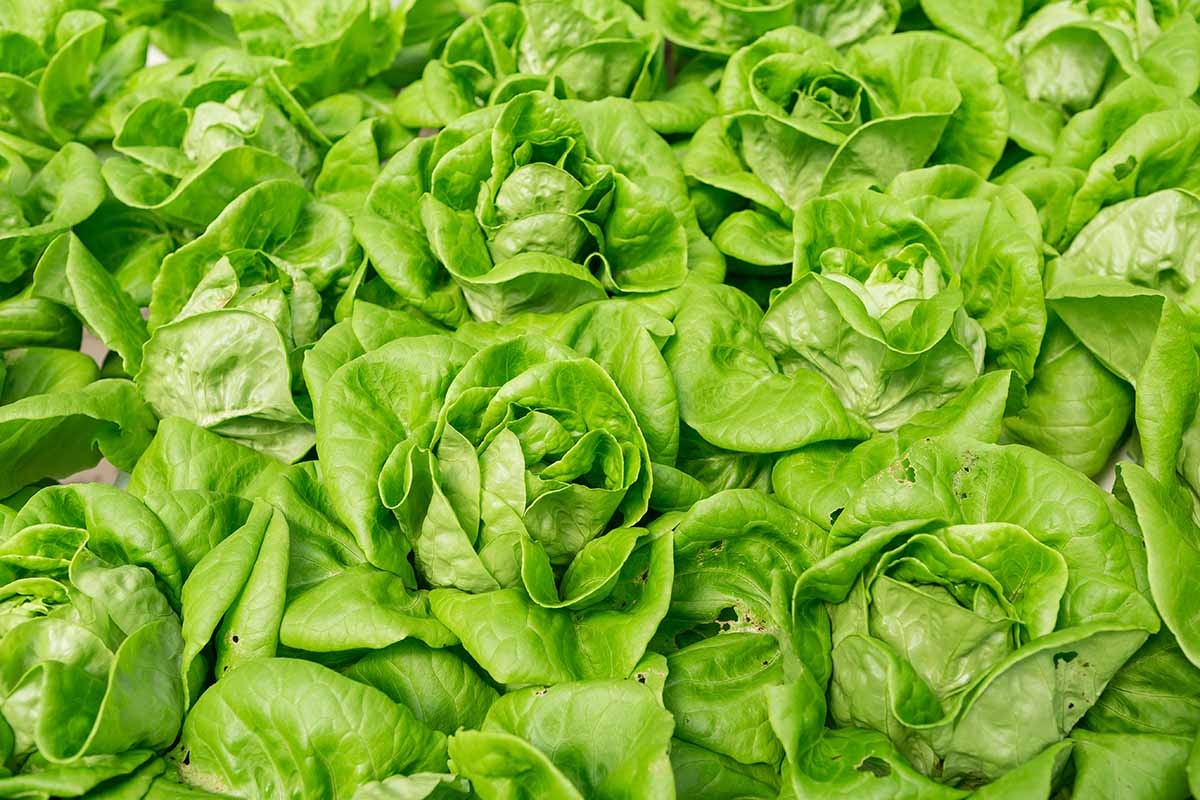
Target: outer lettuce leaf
(64,62)
(70,275)
(362,608)
(1153,693)
(244,360)
(730,384)
(566,741)
(1130,765)
(1076,410)
(271,711)
(1172,549)
(60,433)
(442,689)
(184,456)
(819,480)
(729,635)
(234,595)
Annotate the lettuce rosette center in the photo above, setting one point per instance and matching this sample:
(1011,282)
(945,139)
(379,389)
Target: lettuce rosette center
(545,195)
(805,85)
(545,223)
(875,317)
(533,456)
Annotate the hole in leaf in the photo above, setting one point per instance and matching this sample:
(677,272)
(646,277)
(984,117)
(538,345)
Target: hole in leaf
(1122,170)
(641,677)
(833,515)
(234,638)
(1065,657)
(876,766)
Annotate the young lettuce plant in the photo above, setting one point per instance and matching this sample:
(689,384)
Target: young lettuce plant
(1103,218)
(1127,186)
(876,301)
(90,637)
(971,611)
(882,320)
(269,568)
(585,49)
(1129,264)
(1146,152)
(878,298)
(60,66)
(1092,47)
(321,47)
(233,307)
(513,474)
(342,61)
(188,148)
(539,205)
(56,414)
(1064,58)
(799,120)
